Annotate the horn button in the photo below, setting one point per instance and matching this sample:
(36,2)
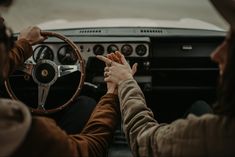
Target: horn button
(45,72)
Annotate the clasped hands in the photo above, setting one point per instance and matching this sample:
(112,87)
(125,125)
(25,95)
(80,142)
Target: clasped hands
(116,70)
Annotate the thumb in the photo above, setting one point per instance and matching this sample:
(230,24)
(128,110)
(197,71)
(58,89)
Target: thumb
(134,69)
(42,38)
(123,60)
(39,40)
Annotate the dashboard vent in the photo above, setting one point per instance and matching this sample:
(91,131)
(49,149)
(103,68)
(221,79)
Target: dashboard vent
(90,31)
(158,31)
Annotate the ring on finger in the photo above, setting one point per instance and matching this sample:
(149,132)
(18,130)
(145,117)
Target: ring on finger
(106,74)
(106,69)
(110,64)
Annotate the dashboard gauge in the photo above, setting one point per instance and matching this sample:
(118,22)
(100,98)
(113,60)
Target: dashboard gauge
(112,48)
(141,50)
(66,55)
(126,50)
(98,50)
(43,52)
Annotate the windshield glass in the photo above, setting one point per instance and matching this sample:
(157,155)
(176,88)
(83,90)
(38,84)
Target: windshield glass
(33,12)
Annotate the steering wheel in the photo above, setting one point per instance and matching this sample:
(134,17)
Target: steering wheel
(46,72)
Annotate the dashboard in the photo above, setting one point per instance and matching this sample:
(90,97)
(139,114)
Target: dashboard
(63,54)
(173,63)
(174,66)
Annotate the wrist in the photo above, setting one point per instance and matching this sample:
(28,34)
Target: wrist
(112,91)
(124,78)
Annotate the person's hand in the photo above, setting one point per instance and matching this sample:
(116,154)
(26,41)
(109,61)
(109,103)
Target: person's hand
(111,86)
(32,34)
(119,58)
(116,72)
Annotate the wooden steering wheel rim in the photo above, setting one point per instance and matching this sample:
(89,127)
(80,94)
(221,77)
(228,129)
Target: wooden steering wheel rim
(81,82)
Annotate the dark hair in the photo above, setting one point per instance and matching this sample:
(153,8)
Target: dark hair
(5,3)
(226,90)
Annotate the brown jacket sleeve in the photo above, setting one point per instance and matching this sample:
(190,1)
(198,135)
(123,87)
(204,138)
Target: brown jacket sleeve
(46,139)
(18,54)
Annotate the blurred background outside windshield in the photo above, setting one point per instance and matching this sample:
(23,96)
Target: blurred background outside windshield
(32,12)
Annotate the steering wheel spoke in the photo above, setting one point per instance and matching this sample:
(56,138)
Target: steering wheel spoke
(43,91)
(67,69)
(26,68)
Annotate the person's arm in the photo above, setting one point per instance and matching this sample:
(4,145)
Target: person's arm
(99,130)
(22,49)
(46,139)
(139,123)
(146,137)
(138,120)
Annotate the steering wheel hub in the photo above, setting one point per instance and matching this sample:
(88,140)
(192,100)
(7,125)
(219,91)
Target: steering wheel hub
(45,72)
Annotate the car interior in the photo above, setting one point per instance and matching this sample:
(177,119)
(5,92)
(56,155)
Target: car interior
(174,69)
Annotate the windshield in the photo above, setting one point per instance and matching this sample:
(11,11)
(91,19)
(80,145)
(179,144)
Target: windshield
(33,12)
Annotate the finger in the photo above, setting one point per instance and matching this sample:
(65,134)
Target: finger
(43,34)
(106,69)
(106,74)
(112,57)
(107,79)
(109,56)
(42,38)
(104,59)
(119,55)
(134,68)
(115,58)
(123,59)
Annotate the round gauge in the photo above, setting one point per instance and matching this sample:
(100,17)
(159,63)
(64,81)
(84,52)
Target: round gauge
(126,50)
(98,50)
(43,52)
(141,50)
(66,55)
(112,48)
